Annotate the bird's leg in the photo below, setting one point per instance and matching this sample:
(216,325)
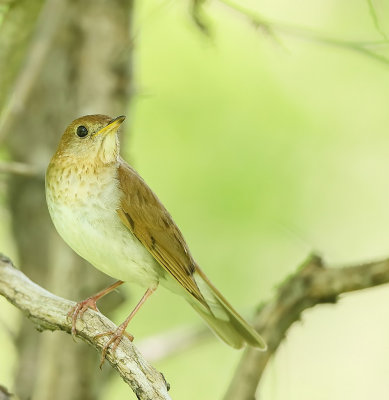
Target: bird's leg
(121,329)
(90,302)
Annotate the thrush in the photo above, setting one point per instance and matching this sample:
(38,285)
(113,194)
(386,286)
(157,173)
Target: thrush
(107,214)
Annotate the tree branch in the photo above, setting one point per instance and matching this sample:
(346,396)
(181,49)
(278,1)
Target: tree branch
(48,311)
(52,12)
(312,284)
(4,394)
(374,17)
(18,168)
(272,29)
(174,341)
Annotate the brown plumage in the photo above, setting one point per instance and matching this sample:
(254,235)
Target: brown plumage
(147,218)
(108,214)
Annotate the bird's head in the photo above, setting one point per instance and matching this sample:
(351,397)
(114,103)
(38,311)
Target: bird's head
(92,138)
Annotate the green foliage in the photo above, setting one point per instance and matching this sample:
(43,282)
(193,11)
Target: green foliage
(264,153)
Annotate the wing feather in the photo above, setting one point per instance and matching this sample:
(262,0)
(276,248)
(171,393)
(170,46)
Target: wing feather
(146,217)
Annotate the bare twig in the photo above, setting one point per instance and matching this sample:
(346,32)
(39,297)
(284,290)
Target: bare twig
(374,17)
(198,17)
(17,168)
(48,311)
(363,48)
(272,28)
(253,17)
(312,284)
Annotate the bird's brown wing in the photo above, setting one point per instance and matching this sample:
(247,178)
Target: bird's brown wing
(146,217)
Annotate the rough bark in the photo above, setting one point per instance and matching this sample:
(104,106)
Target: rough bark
(84,68)
(312,284)
(49,312)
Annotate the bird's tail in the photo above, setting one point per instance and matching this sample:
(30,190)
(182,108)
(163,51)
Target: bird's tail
(222,318)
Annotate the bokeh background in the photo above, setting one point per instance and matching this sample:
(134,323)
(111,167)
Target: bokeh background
(264,148)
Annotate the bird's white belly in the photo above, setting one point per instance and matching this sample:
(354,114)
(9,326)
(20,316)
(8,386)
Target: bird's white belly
(98,235)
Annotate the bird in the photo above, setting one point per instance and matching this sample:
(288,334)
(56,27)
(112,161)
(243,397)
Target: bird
(106,213)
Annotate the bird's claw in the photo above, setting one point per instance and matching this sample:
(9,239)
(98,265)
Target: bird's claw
(78,311)
(115,340)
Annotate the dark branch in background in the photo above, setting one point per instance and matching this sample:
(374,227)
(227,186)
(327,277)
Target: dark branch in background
(312,284)
(198,16)
(4,4)
(274,30)
(36,56)
(5,394)
(49,312)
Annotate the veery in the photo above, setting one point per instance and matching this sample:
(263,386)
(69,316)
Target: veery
(106,213)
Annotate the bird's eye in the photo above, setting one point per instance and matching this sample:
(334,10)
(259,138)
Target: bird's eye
(82,131)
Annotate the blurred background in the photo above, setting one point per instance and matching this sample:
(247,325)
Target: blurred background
(265,143)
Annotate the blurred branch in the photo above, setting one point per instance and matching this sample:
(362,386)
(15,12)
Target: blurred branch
(272,28)
(359,47)
(49,312)
(42,41)
(4,394)
(254,18)
(198,16)
(158,347)
(18,168)
(6,3)
(374,17)
(312,284)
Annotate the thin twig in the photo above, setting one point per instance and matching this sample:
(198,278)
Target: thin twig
(374,17)
(357,46)
(273,28)
(18,168)
(312,284)
(49,312)
(254,17)
(198,16)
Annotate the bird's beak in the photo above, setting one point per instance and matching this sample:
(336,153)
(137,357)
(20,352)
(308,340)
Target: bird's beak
(112,126)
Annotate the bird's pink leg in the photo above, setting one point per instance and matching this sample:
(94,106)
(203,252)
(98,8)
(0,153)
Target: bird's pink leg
(90,302)
(121,329)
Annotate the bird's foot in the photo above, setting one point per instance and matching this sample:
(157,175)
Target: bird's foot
(114,340)
(79,310)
